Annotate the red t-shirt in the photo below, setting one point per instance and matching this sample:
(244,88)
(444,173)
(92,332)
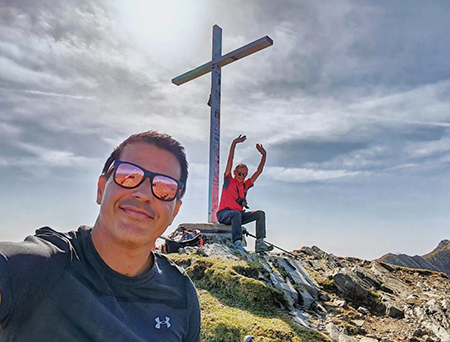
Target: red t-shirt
(231,191)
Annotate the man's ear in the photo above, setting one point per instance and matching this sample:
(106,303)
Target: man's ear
(176,210)
(101,188)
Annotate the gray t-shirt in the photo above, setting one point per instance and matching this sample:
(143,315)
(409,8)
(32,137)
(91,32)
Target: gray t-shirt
(55,287)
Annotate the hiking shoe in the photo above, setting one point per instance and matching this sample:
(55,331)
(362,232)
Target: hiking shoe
(238,246)
(261,246)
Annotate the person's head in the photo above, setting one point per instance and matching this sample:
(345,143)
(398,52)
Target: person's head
(140,189)
(161,140)
(240,172)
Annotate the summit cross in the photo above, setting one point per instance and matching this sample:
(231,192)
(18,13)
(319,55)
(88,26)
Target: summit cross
(214,66)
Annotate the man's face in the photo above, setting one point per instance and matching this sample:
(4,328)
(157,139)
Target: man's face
(135,217)
(240,173)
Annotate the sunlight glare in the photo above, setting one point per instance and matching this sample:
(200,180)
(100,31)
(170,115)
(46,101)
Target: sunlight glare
(159,22)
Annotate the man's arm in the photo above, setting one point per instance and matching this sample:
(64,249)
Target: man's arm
(239,139)
(260,168)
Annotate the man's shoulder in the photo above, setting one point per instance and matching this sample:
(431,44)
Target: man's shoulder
(38,249)
(62,240)
(30,268)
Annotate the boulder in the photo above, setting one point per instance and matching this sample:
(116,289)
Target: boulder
(395,312)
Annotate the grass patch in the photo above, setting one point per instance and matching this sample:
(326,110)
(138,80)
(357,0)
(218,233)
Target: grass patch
(227,280)
(328,284)
(234,303)
(222,323)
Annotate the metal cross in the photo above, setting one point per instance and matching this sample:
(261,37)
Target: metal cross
(214,67)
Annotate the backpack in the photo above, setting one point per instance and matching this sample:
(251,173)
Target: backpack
(180,238)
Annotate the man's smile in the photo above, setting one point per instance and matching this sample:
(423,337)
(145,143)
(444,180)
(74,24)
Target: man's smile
(136,212)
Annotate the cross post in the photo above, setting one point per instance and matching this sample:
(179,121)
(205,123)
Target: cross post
(214,66)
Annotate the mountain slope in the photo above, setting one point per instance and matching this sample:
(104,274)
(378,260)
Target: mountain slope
(437,260)
(310,296)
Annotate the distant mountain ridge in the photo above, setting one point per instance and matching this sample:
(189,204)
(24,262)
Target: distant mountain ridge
(436,260)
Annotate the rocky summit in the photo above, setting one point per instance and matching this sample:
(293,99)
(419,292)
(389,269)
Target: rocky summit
(437,260)
(340,299)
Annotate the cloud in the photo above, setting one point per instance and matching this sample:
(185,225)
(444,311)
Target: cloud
(7,130)
(303,175)
(429,148)
(76,97)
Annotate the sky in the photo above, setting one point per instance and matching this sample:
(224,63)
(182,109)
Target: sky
(351,103)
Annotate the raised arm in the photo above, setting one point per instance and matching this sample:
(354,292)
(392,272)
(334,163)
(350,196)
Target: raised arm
(260,168)
(239,139)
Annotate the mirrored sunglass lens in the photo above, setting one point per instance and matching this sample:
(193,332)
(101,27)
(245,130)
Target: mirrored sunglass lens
(164,188)
(128,175)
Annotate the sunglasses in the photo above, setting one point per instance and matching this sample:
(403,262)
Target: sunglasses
(241,174)
(130,176)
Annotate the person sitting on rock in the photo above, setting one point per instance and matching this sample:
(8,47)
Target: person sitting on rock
(234,199)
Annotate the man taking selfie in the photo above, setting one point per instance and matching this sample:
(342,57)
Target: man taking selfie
(104,283)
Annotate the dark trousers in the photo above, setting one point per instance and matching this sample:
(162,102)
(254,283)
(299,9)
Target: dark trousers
(237,218)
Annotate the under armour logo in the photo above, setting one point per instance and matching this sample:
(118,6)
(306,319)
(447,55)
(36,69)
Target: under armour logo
(159,322)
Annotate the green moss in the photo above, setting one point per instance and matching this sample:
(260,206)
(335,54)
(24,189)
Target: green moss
(351,329)
(221,277)
(183,260)
(221,323)
(328,284)
(234,303)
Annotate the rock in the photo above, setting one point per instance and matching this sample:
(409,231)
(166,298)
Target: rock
(367,277)
(386,289)
(346,338)
(340,302)
(307,300)
(354,291)
(445,304)
(286,287)
(333,331)
(394,312)
(394,304)
(368,339)
(418,333)
(432,306)
(324,297)
(358,322)
(412,297)
(438,330)
(217,249)
(299,275)
(188,250)
(300,317)
(363,310)
(387,267)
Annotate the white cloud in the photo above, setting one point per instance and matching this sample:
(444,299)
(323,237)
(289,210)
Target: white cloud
(428,148)
(303,175)
(52,158)
(7,130)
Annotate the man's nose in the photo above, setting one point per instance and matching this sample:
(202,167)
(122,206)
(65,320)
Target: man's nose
(144,190)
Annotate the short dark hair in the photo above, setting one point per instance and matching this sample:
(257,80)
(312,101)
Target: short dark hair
(161,140)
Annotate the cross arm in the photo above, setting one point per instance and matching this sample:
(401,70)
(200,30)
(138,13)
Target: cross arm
(246,50)
(190,75)
(224,60)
